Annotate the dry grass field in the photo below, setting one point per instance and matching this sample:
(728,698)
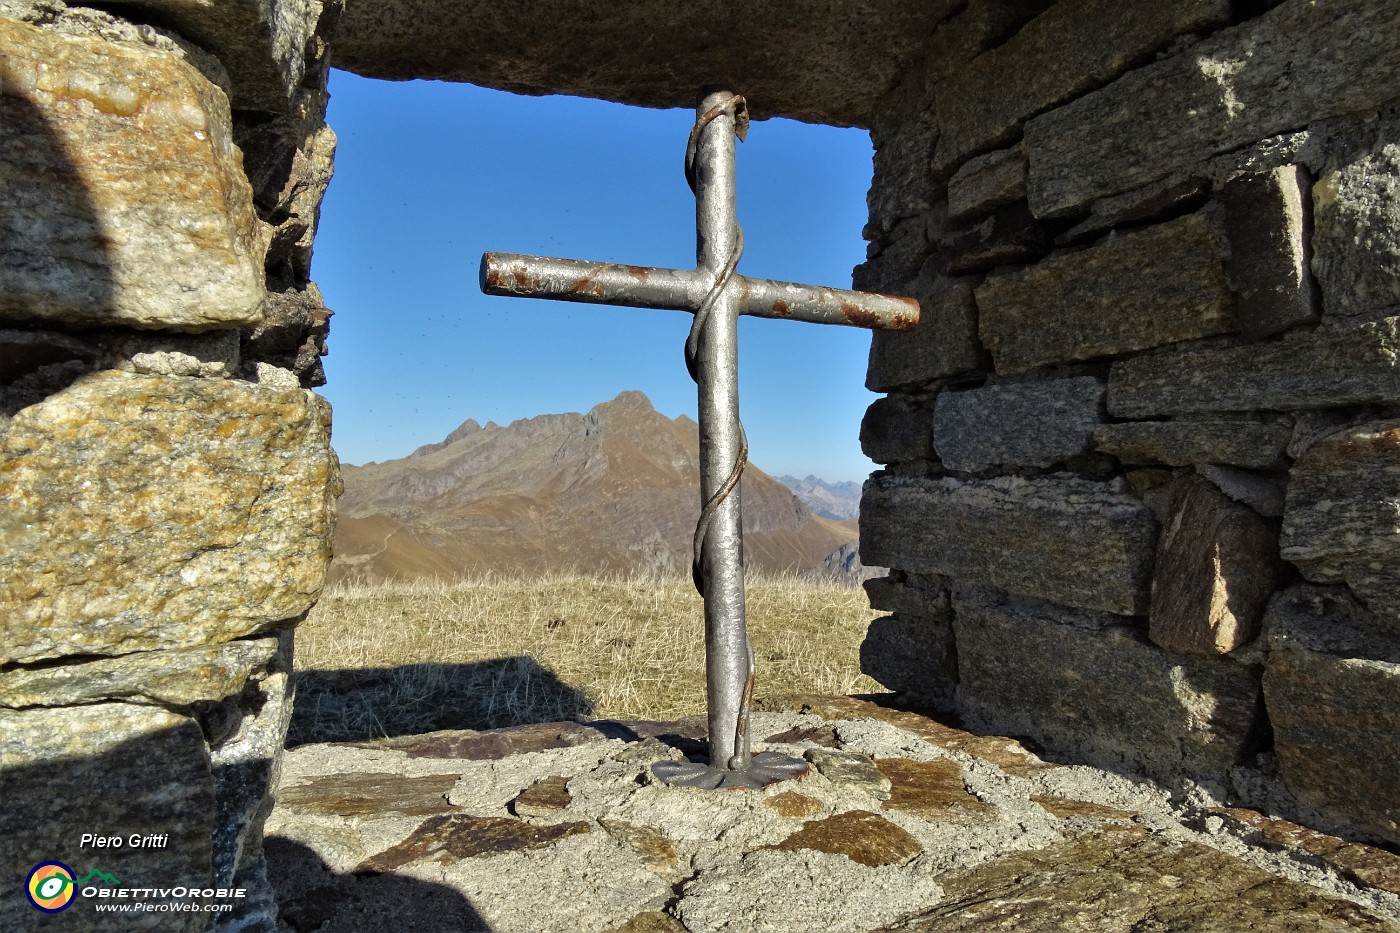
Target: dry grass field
(394,659)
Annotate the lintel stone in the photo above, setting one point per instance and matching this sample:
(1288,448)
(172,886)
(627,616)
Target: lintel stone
(809,59)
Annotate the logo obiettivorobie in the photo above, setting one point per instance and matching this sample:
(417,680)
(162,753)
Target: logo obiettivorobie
(50,887)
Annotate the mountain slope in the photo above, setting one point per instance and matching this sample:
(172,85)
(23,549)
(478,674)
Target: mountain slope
(614,490)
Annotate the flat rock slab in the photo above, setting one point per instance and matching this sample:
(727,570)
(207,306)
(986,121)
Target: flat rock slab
(806,60)
(975,829)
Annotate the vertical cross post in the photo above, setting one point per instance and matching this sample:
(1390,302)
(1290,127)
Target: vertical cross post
(716,295)
(728,655)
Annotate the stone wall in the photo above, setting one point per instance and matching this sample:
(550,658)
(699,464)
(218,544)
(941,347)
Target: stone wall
(166,477)
(1142,455)
(1141,495)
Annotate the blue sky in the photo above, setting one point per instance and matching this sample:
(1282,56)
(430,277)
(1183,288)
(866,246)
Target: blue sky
(430,175)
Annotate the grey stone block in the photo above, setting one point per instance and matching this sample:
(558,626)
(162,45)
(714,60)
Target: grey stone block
(894,266)
(1255,444)
(1262,492)
(1325,369)
(1357,235)
(1072,47)
(914,656)
(1340,522)
(1333,58)
(1077,542)
(896,429)
(1017,424)
(1093,690)
(1217,565)
(1160,285)
(908,594)
(262,43)
(812,62)
(1331,684)
(944,344)
(986,183)
(1266,219)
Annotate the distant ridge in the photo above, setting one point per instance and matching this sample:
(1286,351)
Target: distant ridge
(837,501)
(615,490)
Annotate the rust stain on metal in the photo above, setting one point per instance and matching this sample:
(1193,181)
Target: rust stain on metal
(640,273)
(782,309)
(859,316)
(908,317)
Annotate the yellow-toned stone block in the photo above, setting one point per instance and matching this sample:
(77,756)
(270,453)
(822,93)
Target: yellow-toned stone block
(141,512)
(122,195)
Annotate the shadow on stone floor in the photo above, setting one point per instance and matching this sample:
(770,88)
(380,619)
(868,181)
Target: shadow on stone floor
(356,705)
(311,896)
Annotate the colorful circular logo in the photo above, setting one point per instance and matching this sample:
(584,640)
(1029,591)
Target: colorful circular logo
(50,887)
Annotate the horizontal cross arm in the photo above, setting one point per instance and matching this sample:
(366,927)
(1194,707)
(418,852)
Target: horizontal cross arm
(516,275)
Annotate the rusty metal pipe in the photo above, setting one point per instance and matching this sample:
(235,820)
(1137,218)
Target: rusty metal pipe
(521,276)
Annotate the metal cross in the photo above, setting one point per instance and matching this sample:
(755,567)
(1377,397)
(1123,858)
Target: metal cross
(716,295)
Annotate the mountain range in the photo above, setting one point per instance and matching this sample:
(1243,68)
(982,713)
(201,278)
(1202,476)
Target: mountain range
(615,489)
(829,500)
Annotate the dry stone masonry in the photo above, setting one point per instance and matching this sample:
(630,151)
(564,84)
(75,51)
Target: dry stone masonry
(1141,489)
(1141,501)
(166,479)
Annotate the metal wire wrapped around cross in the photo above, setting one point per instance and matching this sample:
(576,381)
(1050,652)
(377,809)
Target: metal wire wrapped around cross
(716,294)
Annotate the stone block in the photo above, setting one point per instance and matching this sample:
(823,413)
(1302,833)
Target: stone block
(1093,690)
(1156,286)
(1262,492)
(1300,62)
(902,185)
(1331,685)
(819,64)
(1010,236)
(1254,444)
(1035,424)
(1217,565)
(1071,48)
(944,344)
(1077,542)
(986,183)
(913,656)
(122,196)
(247,765)
(110,769)
(1357,233)
(142,512)
(1267,219)
(896,429)
(892,264)
(181,677)
(262,43)
(1341,520)
(1324,369)
(908,594)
